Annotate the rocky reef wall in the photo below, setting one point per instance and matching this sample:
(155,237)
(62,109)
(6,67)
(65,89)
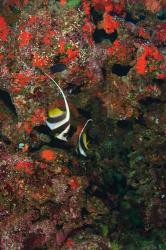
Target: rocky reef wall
(105,186)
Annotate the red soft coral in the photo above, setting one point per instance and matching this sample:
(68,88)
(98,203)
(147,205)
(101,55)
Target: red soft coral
(24,38)
(4,30)
(118,50)
(47,37)
(141,65)
(25,165)
(20,80)
(146,62)
(110,24)
(39,61)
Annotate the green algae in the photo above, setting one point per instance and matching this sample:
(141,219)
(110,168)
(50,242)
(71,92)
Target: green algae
(73,3)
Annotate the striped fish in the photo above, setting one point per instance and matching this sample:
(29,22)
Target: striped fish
(82,145)
(59,121)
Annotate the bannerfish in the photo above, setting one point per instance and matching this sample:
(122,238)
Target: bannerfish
(82,145)
(58,120)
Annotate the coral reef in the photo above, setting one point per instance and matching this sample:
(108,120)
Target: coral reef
(109,58)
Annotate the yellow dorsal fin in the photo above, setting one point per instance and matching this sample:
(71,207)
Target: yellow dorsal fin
(55,112)
(84,138)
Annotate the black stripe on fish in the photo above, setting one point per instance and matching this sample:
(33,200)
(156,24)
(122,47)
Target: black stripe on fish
(56,118)
(61,128)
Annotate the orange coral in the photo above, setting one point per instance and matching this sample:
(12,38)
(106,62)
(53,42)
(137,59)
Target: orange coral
(48,154)
(71,55)
(109,5)
(61,46)
(86,7)
(39,61)
(69,243)
(143,60)
(141,65)
(110,24)
(24,38)
(62,2)
(143,33)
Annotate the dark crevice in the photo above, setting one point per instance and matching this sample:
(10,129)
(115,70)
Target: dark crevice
(43,129)
(73,89)
(116,182)
(149,101)
(5,97)
(84,212)
(96,16)
(54,143)
(104,73)
(100,35)
(57,58)
(14,9)
(140,120)
(129,18)
(80,229)
(127,124)
(58,67)
(159,81)
(84,113)
(120,70)
(5,139)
